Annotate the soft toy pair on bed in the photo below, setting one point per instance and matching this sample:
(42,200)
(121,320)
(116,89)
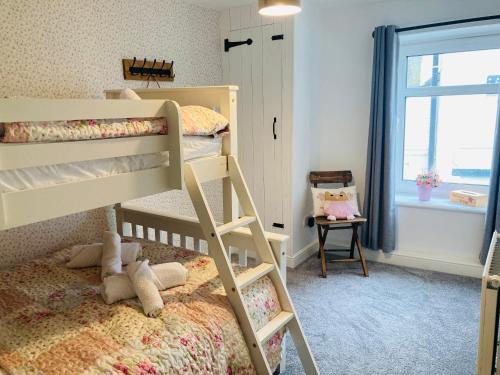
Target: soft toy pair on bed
(138,279)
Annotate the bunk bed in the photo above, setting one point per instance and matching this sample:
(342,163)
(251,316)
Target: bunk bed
(52,318)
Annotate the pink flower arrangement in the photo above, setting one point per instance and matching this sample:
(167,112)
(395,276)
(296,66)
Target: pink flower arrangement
(428,179)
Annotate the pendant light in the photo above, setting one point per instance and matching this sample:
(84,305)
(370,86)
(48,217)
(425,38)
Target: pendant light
(276,8)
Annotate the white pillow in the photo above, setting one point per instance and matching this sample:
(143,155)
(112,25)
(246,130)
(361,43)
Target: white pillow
(129,94)
(319,199)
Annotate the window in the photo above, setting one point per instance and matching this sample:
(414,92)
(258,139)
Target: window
(448,89)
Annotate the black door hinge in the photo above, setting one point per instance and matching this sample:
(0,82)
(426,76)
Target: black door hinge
(228,44)
(278,37)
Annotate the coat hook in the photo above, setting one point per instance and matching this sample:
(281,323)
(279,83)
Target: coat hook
(171,72)
(152,71)
(131,68)
(152,74)
(142,67)
(162,74)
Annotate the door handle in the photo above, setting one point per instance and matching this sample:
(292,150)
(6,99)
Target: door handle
(274,128)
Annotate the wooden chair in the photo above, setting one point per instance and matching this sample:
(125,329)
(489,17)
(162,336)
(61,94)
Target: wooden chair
(324,225)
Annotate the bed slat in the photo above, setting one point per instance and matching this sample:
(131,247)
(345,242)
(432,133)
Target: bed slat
(196,244)
(214,168)
(14,110)
(31,206)
(25,155)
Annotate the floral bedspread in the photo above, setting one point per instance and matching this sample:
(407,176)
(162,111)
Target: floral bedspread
(53,321)
(60,131)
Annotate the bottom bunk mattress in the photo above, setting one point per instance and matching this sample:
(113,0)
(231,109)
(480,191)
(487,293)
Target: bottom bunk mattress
(53,321)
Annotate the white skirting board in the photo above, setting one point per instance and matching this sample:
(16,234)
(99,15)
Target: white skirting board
(302,255)
(400,258)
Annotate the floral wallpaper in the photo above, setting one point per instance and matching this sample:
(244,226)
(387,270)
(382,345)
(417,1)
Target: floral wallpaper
(73,49)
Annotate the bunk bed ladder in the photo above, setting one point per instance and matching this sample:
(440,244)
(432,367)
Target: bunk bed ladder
(195,174)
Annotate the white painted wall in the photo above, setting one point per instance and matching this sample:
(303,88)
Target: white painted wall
(342,105)
(305,130)
(419,232)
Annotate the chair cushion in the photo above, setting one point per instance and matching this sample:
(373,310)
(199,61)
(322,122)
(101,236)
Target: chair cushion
(318,196)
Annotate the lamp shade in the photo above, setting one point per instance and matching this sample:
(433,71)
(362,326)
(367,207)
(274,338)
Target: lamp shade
(276,8)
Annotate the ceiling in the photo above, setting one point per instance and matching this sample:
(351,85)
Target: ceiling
(220,4)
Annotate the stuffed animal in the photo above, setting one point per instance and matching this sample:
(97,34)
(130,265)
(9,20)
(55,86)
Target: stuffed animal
(337,206)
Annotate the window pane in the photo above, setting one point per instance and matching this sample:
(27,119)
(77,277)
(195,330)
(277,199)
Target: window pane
(452,135)
(452,69)
(417,125)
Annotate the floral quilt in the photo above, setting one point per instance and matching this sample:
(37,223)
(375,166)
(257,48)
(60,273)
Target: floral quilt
(60,131)
(53,321)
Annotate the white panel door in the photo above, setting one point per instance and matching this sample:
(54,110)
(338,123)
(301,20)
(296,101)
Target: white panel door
(272,128)
(258,70)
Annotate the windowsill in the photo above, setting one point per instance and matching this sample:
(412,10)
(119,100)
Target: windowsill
(443,204)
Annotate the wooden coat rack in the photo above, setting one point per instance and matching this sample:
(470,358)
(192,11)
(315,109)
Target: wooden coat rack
(146,70)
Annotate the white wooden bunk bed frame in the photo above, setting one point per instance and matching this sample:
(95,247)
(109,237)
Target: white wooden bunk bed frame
(33,205)
(130,220)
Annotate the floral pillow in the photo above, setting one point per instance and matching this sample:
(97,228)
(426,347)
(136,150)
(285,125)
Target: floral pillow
(196,120)
(319,199)
(199,120)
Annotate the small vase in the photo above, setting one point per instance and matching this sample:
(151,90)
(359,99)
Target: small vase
(424,192)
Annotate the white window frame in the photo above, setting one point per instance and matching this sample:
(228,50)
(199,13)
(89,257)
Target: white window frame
(428,43)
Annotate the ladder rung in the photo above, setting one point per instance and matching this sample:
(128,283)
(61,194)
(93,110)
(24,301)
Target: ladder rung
(229,227)
(250,276)
(266,332)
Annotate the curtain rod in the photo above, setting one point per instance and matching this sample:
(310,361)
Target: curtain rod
(446,23)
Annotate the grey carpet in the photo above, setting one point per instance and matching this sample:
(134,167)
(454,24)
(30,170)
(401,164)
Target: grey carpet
(397,321)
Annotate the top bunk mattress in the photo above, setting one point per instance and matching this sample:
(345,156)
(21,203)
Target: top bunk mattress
(53,321)
(80,130)
(194,147)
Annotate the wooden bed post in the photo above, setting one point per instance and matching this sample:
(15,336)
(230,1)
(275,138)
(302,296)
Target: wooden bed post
(230,147)
(176,159)
(119,218)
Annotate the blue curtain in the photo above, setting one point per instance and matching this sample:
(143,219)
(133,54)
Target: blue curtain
(493,212)
(379,208)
